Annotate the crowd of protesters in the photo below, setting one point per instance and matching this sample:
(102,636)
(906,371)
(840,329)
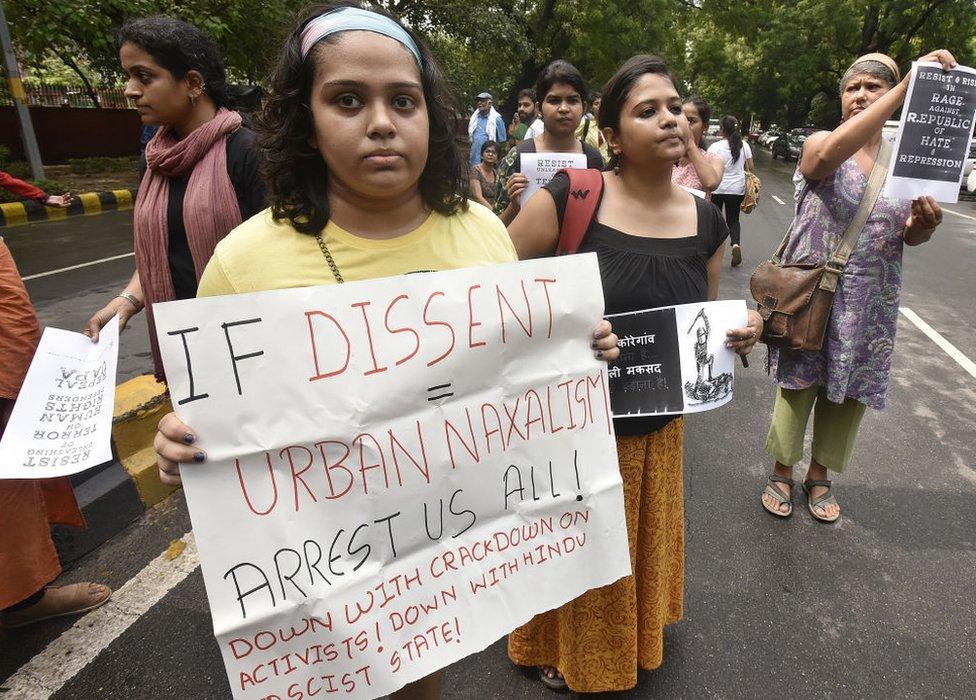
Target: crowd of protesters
(354,172)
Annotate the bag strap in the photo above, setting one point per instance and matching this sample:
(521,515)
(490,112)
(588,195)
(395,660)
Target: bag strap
(778,255)
(870,198)
(838,261)
(582,199)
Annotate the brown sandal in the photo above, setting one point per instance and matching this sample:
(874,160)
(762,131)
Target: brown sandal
(58,601)
(777,495)
(556,683)
(826,499)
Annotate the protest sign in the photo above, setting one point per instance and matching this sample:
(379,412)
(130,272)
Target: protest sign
(934,134)
(540,167)
(62,421)
(399,471)
(674,359)
(697,193)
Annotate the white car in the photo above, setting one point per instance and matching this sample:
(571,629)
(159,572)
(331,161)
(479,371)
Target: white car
(890,129)
(969,169)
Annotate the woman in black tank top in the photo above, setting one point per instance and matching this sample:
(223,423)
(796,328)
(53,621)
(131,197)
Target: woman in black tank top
(657,245)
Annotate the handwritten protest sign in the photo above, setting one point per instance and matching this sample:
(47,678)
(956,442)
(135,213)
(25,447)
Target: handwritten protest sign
(62,421)
(540,167)
(399,471)
(674,359)
(934,134)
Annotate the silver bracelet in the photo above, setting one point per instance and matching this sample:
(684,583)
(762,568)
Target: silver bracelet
(131,298)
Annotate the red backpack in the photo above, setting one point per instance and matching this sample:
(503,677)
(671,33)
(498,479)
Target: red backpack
(585,188)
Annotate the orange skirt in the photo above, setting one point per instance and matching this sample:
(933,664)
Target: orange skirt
(599,640)
(28,560)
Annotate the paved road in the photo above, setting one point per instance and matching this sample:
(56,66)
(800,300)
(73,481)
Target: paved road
(68,297)
(877,606)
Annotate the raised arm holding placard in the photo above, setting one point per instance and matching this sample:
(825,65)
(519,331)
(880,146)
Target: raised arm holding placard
(859,243)
(934,133)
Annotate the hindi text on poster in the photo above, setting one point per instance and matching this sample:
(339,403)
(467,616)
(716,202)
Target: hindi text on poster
(673,359)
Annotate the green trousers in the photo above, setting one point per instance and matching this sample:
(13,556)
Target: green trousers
(835,427)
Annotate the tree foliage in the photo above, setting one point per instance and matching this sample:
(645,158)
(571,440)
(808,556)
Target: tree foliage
(777,60)
(782,60)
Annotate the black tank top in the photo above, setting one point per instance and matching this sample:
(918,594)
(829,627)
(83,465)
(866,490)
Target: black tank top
(644,273)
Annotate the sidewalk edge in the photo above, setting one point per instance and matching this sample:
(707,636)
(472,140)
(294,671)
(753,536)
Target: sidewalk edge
(86,204)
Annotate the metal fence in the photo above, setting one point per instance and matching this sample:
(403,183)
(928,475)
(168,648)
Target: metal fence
(43,95)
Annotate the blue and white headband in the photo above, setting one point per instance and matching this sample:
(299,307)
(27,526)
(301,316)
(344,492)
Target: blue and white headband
(351,19)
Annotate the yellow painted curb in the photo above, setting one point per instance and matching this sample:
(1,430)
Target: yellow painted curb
(124,198)
(90,203)
(55,213)
(14,213)
(134,437)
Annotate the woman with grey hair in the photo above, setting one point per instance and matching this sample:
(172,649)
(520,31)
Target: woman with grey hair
(850,372)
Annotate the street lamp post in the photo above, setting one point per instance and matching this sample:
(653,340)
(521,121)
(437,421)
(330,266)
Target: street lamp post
(20,99)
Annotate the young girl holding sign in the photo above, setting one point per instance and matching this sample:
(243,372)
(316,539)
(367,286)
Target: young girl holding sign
(562,96)
(365,181)
(657,245)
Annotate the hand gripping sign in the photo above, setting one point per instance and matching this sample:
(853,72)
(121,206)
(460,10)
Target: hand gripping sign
(673,359)
(539,169)
(400,471)
(934,134)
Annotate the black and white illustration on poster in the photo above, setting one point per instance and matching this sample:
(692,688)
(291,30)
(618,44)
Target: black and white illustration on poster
(62,421)
(934,134)
(705,385)
(674,359)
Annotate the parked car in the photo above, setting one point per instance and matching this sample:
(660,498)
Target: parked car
(890,129)
(970,164)
(767,137)
(789,145)
(711,134)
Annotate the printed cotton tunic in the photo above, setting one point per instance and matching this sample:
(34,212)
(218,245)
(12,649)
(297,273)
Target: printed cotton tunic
(855,360)
(687,175)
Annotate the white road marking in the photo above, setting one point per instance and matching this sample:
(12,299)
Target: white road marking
(965,216)
(936,337)
(62,659)
(779,200)
(75,267)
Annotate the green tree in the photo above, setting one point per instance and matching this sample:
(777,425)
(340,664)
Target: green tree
(81,34)
(782,60)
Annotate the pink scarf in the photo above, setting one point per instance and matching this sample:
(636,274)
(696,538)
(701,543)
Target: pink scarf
(210,208)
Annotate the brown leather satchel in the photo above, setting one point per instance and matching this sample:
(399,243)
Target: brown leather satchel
(795,300)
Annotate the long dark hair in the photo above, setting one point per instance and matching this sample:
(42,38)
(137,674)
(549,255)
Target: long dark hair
(730,127)
(704,113)
(179,48)
(617,90)
(296,173)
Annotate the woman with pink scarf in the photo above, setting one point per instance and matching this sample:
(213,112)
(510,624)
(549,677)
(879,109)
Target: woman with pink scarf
(200,175)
